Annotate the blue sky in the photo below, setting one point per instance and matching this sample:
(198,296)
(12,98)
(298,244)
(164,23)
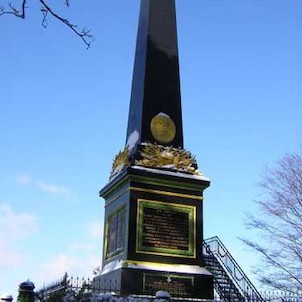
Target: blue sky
(63,117)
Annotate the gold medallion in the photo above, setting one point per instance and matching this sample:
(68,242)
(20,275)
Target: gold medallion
(163,128)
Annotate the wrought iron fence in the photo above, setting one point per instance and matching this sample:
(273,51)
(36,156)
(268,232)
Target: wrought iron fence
(85,290)
(284,296)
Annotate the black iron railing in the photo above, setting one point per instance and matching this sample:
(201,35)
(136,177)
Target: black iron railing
(214,247)
(85,289)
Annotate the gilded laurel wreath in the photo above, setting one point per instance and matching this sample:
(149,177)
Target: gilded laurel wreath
(158,156)
(120,162)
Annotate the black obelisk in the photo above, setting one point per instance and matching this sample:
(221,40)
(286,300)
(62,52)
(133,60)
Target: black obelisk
(156,85)
(153,230)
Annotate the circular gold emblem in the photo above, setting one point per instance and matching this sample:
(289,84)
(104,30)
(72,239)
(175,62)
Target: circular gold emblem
(163,128)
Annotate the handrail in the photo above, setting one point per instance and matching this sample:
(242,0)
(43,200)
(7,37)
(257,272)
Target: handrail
(223,293)
(239,277)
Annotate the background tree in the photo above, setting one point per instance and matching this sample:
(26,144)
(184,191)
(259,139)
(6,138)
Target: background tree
(19,10)
(280,225)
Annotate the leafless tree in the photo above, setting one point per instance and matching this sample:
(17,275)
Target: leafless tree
(46,10)
(279,224)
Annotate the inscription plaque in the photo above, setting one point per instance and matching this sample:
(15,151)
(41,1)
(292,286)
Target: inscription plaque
(166,228)
(174,284)
(115,232)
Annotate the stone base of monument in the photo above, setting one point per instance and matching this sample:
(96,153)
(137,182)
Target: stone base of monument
(153,234)
(139,278)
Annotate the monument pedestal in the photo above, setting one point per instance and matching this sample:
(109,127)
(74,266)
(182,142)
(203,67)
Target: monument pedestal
(148,278)
(153,234)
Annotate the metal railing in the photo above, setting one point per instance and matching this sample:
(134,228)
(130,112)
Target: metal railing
(214,246)
(76,285)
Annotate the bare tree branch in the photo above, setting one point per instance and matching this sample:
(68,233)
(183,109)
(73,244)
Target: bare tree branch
(280,225)
(47,10)
(82,33)
(272,259)
(20,13)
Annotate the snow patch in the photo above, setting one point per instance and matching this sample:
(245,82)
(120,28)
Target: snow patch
(163,114)
(158,171)
(162,295)
(132,140)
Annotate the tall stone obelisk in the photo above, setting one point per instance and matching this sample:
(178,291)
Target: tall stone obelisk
(154,199)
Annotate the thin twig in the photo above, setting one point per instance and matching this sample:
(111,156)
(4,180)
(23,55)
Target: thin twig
(83,33)
(20,13)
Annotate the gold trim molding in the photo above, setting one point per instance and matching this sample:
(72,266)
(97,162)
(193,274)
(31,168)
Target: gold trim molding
(167,193)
